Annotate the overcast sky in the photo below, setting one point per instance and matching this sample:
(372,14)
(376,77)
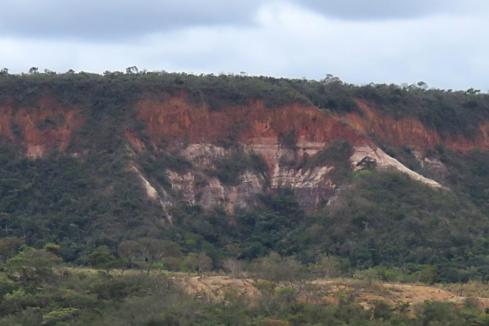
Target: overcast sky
(443,43)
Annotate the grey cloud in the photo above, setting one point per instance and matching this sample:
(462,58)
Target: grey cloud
(377,9)
(444,48)
(113,19)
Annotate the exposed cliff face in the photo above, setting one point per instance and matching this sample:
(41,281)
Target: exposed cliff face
(382,160)
(198,187)
(202,134)
(284,137)
(177,119)
(39,129)
(409,132)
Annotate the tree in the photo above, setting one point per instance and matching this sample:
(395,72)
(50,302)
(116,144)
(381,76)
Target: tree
(381,310)
(233,266)
(5,220)
(331,79)
(153,250)
(101,257)
(132,70)
(130,250)
(8,247)
(422,85)
(327,266)
(204,263)
(191,262)
(438,313)
(32,267)
(472,91)
(33,71)
(276,268)
(198,262)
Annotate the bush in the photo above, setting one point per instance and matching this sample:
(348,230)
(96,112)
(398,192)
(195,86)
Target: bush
(276,268)
(229,169)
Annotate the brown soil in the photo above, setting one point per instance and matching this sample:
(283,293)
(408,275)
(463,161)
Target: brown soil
(328,290)
(45,127)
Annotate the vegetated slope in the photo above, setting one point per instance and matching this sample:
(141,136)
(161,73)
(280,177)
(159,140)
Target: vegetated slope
(53,294)
(235,166)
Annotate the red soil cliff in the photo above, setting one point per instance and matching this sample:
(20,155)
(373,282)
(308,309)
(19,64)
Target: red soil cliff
(45,127)
(410,132)
(177,119)
(49,126)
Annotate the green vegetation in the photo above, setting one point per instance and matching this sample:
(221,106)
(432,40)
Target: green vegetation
(469,174)
(380,219)
(79,204)
(338,155)
(447,111)
(89,210)
(37,289)
(288,140)
(156,165)
(229,169)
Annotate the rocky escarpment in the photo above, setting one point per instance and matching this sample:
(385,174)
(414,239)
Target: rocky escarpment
(284,139)
(412,133)
(41,128)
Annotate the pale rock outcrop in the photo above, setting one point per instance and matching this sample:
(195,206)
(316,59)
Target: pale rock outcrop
(214,194)
(184,185)
(299,178)
(203,155)
(153,194)
(383,161)
(311,186)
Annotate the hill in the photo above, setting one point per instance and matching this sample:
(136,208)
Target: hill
(190,171)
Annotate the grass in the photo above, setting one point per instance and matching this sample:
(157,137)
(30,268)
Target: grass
(363,291)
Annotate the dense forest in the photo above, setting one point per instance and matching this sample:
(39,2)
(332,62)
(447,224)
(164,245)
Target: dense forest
(66,211)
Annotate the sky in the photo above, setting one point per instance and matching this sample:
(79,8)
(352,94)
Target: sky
(443,43)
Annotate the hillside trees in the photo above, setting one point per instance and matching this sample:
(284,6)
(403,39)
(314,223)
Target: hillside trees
(89,201)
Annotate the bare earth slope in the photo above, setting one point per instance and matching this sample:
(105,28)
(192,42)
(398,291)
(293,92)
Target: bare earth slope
(329,290)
